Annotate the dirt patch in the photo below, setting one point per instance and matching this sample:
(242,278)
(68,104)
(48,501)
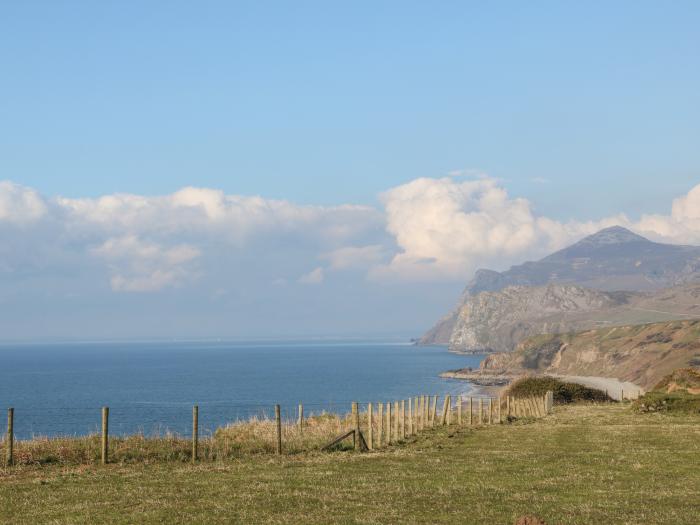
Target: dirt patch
(530,520)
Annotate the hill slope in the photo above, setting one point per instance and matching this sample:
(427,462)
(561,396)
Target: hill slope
(498,321)
(641,354)
(612,259)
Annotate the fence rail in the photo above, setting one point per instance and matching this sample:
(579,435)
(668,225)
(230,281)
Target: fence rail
(371,429)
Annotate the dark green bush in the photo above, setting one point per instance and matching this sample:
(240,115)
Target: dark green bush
(680,402)
(563,392)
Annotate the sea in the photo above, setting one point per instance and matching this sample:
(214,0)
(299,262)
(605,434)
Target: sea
(150,387)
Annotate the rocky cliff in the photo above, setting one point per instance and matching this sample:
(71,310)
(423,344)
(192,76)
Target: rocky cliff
(497,321)
(612,259)
(641,354)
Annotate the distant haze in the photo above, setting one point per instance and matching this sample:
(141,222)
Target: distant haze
(278,169)
(199,263)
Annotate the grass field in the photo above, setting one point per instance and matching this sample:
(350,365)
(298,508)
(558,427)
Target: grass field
(582,465)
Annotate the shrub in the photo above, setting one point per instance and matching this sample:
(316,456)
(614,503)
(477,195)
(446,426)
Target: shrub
(563,392)
(679,402)
(682,379)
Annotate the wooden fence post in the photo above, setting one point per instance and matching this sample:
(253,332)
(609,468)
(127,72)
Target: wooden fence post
(459,410)
(10,440)
(195,432)
(105,435)
(416,428)
(300,422)
(403,419)
(443,416)
(380,424)
(370,430)
(356,426)
(433,412)
(498,406)
(410,416)
(388,423)
(490,416)
(419,414)
(278,424)
(426,410)
(449,410)
(397,418)
(622,395)
(471,411)
(480,420)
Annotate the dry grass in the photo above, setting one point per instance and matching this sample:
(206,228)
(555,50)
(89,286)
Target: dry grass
(583,464)
(258,436)
(254,436)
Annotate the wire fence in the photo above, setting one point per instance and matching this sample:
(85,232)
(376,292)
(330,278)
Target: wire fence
(226,430)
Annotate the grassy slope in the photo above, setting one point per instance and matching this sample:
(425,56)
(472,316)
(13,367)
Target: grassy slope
(642,354)
(583,464)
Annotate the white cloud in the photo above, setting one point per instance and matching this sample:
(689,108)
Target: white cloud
(446,228)
(682,226)
(428,230)
(20,205)
(355,257)
(141,266)
(315,276)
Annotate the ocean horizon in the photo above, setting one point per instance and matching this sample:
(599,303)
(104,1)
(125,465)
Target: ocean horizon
(57,389)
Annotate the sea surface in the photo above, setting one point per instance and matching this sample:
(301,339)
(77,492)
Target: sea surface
(58,389)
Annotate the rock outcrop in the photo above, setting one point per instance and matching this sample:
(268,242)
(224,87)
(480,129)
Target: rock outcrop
(562,289)
(497,321)
(641,354)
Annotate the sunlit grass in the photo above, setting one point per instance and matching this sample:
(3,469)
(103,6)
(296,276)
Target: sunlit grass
(583,464)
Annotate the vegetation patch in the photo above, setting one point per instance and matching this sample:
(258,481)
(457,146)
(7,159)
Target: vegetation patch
(683,379)
(678,402)
(564,393)
(239,439)
(574,467)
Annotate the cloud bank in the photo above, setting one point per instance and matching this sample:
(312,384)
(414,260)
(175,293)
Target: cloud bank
(425,230)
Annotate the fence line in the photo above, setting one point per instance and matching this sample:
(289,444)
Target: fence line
(393,422)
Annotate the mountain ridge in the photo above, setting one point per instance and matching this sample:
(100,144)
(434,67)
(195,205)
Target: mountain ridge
(612,259)
(642,354)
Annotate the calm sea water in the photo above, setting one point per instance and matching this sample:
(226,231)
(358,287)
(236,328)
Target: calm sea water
(58,389)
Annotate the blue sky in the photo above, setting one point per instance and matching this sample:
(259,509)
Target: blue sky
(329,102)
(585,110)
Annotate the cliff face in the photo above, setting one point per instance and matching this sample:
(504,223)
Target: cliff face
(612,259)
(642,354)
(496,321)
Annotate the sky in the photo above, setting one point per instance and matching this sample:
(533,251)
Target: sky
(274,169)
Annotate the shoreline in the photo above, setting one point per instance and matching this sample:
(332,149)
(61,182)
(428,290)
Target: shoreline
(492,383)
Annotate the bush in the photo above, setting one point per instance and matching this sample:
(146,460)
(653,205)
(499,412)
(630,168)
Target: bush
(679,402)
(682,379)
(564,393)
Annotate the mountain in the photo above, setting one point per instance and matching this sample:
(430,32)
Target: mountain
(613,259)
(498,321)
(641,354)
